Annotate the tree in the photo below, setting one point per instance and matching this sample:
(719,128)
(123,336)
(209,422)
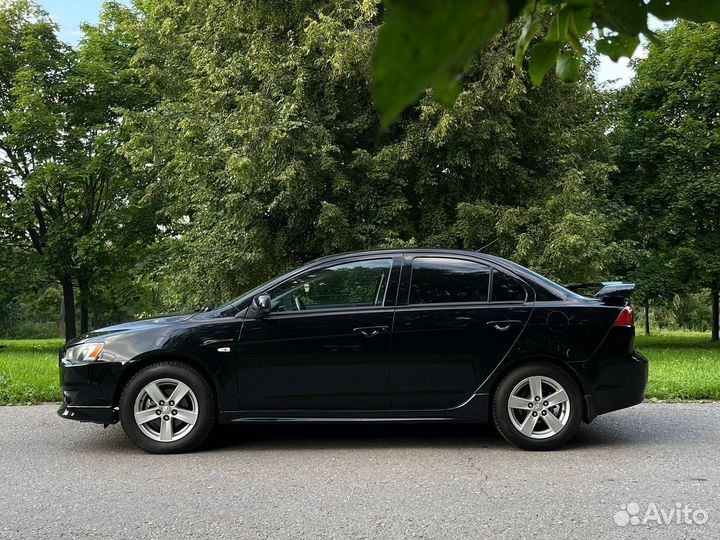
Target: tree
(668,145)
(521,167)
(34,67)
(116,226)
(266,148)
(429,43)
(67,193)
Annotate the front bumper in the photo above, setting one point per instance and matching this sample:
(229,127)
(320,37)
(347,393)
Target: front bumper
(88,391)
(98,415)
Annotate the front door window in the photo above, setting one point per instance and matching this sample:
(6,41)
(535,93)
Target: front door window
(360,284)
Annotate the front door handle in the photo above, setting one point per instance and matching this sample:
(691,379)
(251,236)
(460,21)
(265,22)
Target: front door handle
(370,331)
(503,326)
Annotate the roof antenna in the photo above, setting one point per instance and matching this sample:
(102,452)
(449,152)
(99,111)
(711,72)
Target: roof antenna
(487,245)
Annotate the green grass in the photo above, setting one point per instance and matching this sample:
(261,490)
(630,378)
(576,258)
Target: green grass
(683,365)
(29,371)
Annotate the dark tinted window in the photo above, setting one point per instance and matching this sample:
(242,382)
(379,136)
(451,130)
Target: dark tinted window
(356,284)
(436,280)
(506,288)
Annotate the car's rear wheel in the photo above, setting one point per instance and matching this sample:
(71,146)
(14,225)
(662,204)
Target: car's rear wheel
(537,406)
(167,408)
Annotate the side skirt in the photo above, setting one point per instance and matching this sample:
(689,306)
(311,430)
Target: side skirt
(474,410)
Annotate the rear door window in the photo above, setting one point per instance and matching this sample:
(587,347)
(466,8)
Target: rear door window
(437,280)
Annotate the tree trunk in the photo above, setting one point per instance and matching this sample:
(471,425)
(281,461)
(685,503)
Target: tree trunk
(61,326)
(68,307)
(715,315)
(84,284)
(647,317)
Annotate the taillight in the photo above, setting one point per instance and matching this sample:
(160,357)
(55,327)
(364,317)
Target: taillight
(626,317)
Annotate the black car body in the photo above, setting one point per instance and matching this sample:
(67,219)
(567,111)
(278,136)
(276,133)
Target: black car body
(432,339)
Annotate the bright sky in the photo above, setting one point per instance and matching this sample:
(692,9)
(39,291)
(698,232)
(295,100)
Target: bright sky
(619,74)
(70,13)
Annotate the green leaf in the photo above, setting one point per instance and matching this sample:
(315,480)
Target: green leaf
(542,58)
(558,27)
(426,43)
(570,22)
(446,90)
(617,46)
(624,16)
(568,67)
(692,10)
(532,21)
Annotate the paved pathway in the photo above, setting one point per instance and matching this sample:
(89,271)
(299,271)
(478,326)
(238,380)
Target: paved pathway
(62,479)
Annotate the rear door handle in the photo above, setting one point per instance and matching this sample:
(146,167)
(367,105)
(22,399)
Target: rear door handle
(503,326)
(370,331)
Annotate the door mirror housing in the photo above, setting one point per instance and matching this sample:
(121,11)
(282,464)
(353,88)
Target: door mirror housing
(261,305)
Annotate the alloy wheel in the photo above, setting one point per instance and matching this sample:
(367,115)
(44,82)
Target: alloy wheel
(166,410)
(539,407)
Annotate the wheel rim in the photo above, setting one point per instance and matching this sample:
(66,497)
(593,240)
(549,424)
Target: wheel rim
(166,410)
(539,407)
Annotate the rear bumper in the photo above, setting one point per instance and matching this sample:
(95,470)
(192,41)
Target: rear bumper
(621,384)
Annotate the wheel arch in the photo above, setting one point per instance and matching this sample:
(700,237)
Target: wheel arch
(146,360)
(588,410)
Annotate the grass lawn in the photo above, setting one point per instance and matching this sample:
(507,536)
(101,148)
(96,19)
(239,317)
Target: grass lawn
(683,365)
(29,371)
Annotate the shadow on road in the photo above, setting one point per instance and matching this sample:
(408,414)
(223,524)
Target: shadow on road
(354,436)
(613,431)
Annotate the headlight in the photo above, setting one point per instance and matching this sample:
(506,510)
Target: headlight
(87,352)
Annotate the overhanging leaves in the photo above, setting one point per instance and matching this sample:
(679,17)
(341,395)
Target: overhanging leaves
(567,67)
(692,10)
(617,46)
(624,16)
(428,43)
(542,58)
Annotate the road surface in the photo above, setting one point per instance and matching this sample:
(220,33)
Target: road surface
(62,479)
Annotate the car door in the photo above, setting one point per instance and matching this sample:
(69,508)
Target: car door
(326,342)
(456,319)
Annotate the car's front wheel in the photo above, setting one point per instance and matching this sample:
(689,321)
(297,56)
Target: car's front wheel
(167,408)
(537,406)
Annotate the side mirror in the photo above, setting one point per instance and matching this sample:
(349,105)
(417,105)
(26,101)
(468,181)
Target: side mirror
(261,305)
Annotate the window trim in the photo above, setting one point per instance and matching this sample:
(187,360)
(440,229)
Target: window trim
(392,281)
(439,256)
(406,271)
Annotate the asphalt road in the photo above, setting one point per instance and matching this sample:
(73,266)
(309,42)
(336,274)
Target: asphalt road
(62,479)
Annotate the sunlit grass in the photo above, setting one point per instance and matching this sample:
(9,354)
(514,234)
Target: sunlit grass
(29,371)
(683,365)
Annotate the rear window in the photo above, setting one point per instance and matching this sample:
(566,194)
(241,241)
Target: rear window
(440,280)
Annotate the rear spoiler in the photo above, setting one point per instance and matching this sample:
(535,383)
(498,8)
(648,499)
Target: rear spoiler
(611,292)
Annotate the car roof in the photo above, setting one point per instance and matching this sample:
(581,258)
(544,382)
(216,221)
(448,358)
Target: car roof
(401,251)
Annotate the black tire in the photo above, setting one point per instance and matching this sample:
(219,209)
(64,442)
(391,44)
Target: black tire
(204,401)
(508,429)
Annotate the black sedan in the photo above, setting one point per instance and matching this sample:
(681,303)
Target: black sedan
(387,335)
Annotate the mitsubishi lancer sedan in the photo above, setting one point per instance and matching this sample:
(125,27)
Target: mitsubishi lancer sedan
(388,335)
